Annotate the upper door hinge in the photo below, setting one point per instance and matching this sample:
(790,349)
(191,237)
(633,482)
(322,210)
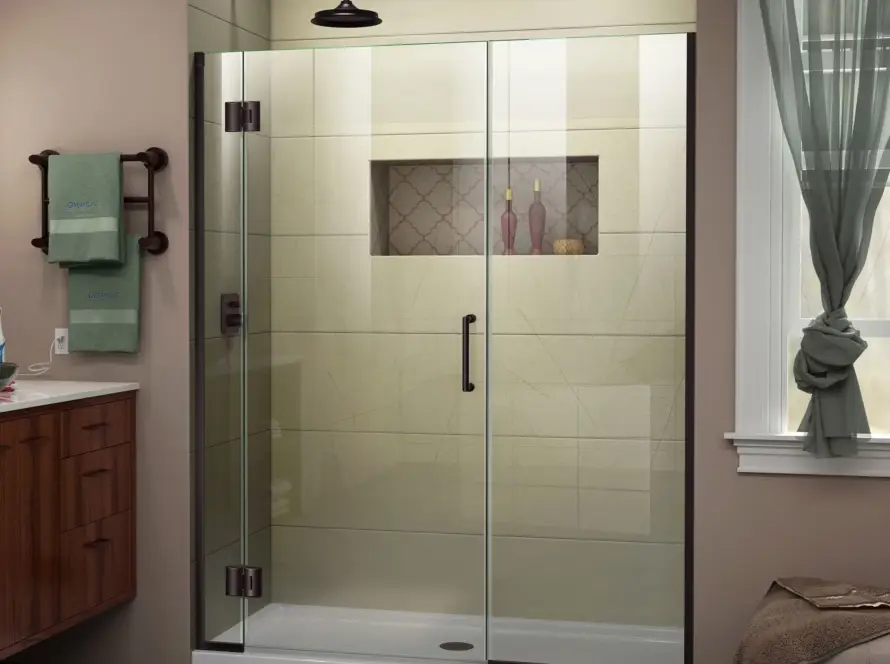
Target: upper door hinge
(244,581)
(242,116)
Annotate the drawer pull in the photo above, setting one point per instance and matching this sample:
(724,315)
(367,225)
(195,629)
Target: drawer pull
(96,543)
(94,427)
(98,471)
(32,440)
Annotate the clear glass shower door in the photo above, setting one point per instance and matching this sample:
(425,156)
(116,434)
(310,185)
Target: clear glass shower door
(587,338)
(366,511)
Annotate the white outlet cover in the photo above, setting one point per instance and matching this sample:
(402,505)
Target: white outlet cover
(61,341)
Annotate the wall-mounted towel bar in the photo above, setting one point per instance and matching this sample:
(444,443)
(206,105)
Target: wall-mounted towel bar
(154,160)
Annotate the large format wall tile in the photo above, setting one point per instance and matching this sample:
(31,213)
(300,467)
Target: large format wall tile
(222,480)
(605,582)
(636,286)
(433,483)
(222,400)
(401,482)
(293,93)
(411,384)
(257,153)
(222,499)
(222,179)
(223,404)
(581,580)
(259,284)
(379,570)
(374,382)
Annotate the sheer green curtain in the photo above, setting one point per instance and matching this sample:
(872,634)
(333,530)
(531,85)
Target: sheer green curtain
(830,62)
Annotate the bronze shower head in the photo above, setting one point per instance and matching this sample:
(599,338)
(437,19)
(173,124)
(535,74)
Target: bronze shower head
(347,15)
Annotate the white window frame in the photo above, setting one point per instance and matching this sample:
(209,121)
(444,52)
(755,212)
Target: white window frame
(768,261)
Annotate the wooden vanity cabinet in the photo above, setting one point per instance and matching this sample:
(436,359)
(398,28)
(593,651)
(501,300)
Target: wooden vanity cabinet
(67,521)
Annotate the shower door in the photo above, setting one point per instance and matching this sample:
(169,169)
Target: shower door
(587,351)
(461,421)
(374,191)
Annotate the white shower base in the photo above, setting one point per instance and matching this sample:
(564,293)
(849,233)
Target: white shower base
(299,634)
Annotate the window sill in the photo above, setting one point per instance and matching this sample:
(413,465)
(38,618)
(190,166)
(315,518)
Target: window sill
(782,454)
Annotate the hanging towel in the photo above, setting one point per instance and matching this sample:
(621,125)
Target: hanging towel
(103,305)
(85,209)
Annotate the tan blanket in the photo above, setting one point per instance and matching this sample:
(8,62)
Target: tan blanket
(805,621)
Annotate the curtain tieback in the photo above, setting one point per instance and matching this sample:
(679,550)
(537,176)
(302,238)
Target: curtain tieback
(830,347)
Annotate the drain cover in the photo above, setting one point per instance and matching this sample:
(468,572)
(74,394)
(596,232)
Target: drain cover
(456,646)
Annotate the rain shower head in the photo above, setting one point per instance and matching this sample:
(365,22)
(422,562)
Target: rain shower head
(347,15)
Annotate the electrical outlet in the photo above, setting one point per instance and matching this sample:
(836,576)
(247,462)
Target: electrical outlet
(61,345)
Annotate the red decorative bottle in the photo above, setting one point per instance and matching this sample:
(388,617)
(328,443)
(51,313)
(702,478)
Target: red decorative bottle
(537,221)
(508,225)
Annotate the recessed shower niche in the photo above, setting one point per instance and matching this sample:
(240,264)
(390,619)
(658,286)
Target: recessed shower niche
(437,207)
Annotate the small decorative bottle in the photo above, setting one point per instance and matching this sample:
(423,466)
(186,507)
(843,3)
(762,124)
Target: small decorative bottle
(537,221)
(508,225)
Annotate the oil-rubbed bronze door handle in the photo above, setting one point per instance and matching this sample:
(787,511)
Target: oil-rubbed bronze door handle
(467,386)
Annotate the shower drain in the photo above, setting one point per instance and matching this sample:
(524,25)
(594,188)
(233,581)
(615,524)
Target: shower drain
(456,646)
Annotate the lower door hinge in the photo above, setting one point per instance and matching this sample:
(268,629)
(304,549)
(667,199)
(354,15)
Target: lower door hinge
(242,116)
(244,581)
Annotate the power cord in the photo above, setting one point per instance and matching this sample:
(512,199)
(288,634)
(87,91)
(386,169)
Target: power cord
(40,368)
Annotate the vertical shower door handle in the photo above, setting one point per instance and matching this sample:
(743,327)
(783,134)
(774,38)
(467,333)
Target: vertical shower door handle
(469,319)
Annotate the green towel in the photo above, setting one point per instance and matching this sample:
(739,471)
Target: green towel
(85,209)
(103,305)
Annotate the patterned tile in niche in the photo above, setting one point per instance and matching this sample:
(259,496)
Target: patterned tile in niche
(436,209)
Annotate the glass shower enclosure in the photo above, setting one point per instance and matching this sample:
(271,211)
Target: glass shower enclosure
(441,350)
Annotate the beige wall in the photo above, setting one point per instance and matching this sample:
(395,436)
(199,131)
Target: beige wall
(88,76)
(406,21)
(749,529)
(222,25)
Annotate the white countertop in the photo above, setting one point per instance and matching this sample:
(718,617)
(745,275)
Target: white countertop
(33,393)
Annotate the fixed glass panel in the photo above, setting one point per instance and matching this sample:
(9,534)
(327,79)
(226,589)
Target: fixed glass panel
(224,244)
(366,459)
(586,349)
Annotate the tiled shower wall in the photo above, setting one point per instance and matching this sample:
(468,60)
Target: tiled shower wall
(219,26)
(378,457)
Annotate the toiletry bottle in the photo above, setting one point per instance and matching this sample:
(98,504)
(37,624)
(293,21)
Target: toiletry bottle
(537,221)
(508,225)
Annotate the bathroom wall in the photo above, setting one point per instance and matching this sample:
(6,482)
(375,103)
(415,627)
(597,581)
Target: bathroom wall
(749,529)
(378,457)
(466,20)
(220,26)
(108,75)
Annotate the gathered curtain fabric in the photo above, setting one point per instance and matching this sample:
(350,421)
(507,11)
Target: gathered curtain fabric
(830,62)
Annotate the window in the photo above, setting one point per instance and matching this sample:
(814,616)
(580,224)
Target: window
(778,292)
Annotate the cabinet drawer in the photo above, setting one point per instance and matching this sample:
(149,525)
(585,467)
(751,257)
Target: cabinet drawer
(91,428)
(96,564)
(96,485)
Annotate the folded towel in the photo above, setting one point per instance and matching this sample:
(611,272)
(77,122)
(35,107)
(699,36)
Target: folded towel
(85,209)
(103,305)
(804,621)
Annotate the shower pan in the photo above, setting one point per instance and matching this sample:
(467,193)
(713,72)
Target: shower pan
(441,342)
